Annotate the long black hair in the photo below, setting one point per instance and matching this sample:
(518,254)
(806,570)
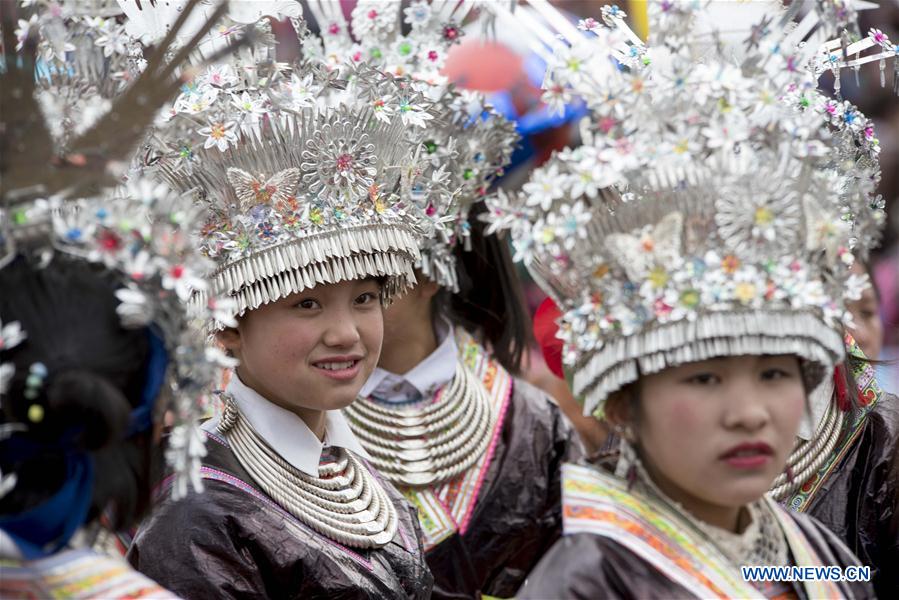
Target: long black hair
(94,377)
(490,301)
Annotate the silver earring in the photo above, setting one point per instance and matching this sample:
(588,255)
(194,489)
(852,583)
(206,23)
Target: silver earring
(626,467)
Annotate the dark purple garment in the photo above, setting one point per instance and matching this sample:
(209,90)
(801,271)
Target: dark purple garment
(858,501)
(588,567)
(232,541)
(517,516)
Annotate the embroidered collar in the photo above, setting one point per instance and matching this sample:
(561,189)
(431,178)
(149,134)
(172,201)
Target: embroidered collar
(598,503)
(760,543)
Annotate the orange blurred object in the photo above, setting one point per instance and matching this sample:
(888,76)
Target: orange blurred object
(484,66)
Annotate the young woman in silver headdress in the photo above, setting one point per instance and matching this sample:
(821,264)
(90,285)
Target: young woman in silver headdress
(302,178)
(444,417)
(475,448)
(844,470)
(83,402)
(700,309)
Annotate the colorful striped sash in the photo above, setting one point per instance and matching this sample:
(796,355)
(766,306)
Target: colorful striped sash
(869,394)
(599,503)
(76,574)
(446,508)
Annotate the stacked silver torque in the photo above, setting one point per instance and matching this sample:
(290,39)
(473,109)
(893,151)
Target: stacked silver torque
(344,503)
(431,441)
(809,455)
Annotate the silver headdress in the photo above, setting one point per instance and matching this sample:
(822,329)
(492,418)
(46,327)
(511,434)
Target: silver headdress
(704,215)
(85,60)
(86,78)
(303,169)
(466,145)
(472,143)
(141,232)
(374,34)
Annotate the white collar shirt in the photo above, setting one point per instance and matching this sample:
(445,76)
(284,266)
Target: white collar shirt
(425,378)
(288,434)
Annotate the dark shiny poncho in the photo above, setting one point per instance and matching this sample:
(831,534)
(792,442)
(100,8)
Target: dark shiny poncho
(516,516)
(858,499)
(624,544)
(233,541)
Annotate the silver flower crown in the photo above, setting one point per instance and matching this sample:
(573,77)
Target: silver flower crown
(306,170)
(710,211)
(465,146)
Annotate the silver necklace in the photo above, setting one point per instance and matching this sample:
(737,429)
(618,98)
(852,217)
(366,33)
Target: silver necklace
(344,503)
(430,442)
(808,455)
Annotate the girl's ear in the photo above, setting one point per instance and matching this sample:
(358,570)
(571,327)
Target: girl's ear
(618,408)
(427,288)
(230,339)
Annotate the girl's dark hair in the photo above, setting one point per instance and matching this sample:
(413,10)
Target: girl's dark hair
(490,300)
(95,376)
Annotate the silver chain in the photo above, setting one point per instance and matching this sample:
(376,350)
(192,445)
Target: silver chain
(344,503)
(432,441)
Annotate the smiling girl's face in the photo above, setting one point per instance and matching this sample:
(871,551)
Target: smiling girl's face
(312,350)
(715,434)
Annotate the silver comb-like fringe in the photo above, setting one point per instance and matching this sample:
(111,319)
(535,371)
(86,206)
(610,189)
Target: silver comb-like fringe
(623,360)
(307,256)
(378,250)
(439,265)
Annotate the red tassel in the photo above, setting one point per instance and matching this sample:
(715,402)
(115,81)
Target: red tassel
(840,391)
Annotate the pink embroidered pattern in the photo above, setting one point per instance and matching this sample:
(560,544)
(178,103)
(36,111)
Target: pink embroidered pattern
(448,508)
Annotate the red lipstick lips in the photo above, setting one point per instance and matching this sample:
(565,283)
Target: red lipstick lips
(749,455)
